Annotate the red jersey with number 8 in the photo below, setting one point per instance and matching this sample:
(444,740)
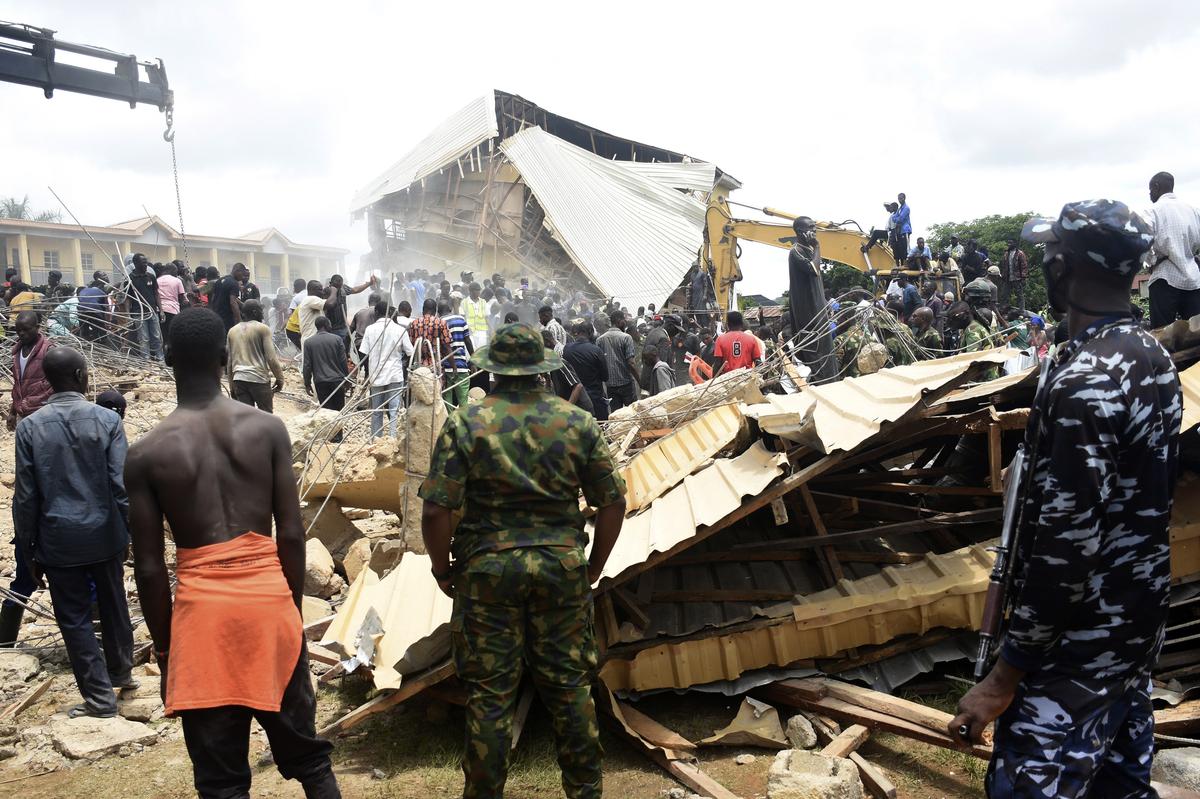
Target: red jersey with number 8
(738,349)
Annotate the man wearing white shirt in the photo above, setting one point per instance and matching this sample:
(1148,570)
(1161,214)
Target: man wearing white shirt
(386,349)
(1174,271)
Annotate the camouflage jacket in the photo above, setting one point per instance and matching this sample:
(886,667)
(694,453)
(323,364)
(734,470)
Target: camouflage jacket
(1093,567)
(517,461)
(899,350)
(977,338)
(930,340)
(846,347)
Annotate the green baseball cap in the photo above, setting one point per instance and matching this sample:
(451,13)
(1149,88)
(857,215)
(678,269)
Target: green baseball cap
(516,349)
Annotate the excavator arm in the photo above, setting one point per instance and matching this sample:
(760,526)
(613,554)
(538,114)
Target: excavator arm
(28,55)
(840,244)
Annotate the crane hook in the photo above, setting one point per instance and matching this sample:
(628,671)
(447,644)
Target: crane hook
(169,133)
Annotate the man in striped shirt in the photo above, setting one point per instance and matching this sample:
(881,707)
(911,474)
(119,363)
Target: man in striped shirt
(455,366)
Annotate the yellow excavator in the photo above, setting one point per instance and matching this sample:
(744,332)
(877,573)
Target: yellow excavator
(840,244)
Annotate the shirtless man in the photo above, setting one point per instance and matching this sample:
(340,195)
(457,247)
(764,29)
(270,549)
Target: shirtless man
(231,646)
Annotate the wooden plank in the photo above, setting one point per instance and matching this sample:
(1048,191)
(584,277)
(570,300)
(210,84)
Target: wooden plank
(337,671)
(873,778)
(771,556)
(914,712)
(607,621)
(784,694)
(725,595)
(848,741)
(630,606)
(410,687)
(829,562)
(918,488)
(654,732)
(322,655)
(982,516)
(692,777)
(995,467)
(1182,719)
(31,696)
(524,703)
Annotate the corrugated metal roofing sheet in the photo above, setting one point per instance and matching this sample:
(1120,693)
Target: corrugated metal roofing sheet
(1190,378)
(658,467)
(414,615)
(938,591)
(703,498)
(889,674)
(460,133)
(688,176)
(632,236)
(843,414)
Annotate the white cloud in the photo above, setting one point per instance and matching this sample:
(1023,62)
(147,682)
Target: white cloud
(285,108)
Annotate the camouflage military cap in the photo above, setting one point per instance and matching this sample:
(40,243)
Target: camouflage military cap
(1107,232)
(516,349)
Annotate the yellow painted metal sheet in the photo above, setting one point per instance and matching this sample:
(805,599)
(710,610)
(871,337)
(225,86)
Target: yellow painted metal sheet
(703,498)
(937,591)
(843,414)
(663,464)
(1190,378)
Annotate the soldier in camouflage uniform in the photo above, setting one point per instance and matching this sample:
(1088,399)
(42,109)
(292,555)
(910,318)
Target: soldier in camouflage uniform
(978,335)
(1071,685)
(927,339)
(521,583)
(849,340)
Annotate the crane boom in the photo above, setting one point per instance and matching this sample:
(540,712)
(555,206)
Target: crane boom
(28,55)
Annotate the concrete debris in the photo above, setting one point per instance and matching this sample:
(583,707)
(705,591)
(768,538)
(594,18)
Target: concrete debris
(325,521)
(356,559)
(17,668)
(744,760)
(683,403)
(800,732)
(319,577)
(88,738)
(385,555)
(426,414)
(314,609)
(304,428)
(1178,767)
(797,774)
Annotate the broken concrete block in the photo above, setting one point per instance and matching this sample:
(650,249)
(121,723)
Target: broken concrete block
(355,514)
(314,609)
(326,522)
(744,760)
(357,557)
(88,738)
(1178,767)
(318,570)
(385,555)
(797,774)
(144,704)
(17,668)
(800,732)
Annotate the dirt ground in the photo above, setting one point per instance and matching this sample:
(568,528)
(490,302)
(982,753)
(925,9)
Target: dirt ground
(412,753)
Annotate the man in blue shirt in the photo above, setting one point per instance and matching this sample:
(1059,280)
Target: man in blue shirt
(94,308)
(70,514)
(903,227)
(455,366)
(919,256)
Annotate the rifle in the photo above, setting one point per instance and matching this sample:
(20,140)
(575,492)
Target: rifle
(1020,479)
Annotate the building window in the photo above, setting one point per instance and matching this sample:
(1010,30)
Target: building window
(87,261)
(276,279)
(50,259)
(16,257)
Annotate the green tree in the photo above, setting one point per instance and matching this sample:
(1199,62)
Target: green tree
(12,208)
(994,233)
(839,278)
(745,302)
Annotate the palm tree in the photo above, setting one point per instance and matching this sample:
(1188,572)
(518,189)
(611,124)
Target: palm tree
(12,208)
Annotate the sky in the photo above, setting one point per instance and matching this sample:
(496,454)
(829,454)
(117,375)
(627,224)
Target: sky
(285,109)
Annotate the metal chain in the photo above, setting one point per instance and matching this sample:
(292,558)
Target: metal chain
(170,137)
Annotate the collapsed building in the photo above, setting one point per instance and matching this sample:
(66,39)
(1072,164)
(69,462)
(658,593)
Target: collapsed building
(505,186)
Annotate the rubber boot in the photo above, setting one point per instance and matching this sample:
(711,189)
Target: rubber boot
(10,625)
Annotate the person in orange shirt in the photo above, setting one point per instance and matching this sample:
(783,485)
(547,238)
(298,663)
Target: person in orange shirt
(736,349)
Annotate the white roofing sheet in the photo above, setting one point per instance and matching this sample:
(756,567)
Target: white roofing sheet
(463,131)
(632,236)
(689,176)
